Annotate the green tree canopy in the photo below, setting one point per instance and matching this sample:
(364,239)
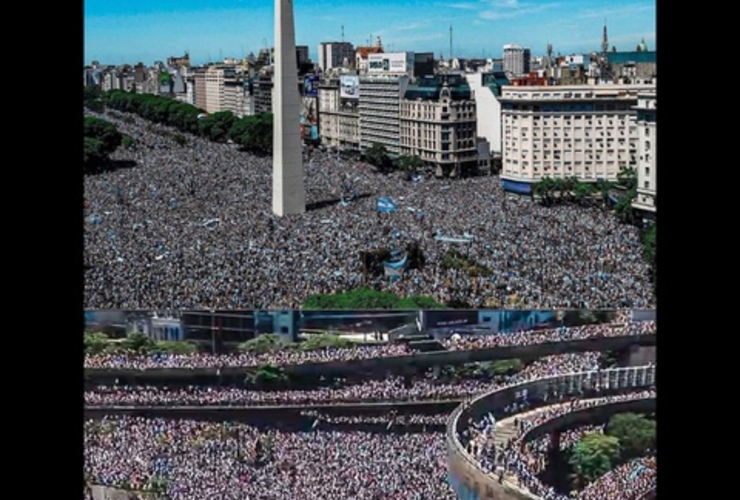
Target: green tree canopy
(409,163)
(377,155)
(367,298)
(101,138)
(253,133)
(323,341)
(267,376)
(262,344)
(593,456)
(636,434)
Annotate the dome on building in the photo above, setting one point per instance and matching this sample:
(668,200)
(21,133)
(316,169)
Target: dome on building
(643,46)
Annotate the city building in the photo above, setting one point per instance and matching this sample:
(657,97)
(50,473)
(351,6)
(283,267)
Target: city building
(486,88)
(333,54)
(362,53)
(379,101)
(516,60)
(646,153)
(639,65)
(339,117)
(179,62)
(437,123)
(199,88)
(262,92)
(582,131)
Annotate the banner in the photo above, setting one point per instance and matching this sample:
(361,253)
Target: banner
(311,85)
(385,204)
(394,269)
(349,87)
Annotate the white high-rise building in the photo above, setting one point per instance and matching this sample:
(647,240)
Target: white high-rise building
(647,152)
(516,60)
(379,103)
(333,54)
(583,131)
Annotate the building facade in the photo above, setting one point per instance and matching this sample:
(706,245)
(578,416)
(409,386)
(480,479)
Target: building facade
(199,88)
(380,96)
(647,153)
(516,60)
(486,88)
(333,54)
(437,123)
(339,117)
(583,131)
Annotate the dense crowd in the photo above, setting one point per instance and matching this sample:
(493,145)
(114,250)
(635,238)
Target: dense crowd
(191,226)
(291,357)
(629,481)
(529,337)
(193,460)
(422,388)
(390,421)
(525,463)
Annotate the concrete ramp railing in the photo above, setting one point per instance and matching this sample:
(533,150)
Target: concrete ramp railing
(468,478)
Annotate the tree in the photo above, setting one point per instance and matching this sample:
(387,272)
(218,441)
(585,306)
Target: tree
(262,344)
(101,138)
(377,155)
(503,367)
(409,163)
(636,434)
(324,341)
(253,133)
(583,192)
(138,343)
(217,126)
(627,178)
(593,456)
(95,342)
(267,376)
(174,347)
(366,298)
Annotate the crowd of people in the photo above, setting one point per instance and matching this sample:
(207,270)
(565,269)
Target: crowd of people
(189,460)
(191,227)
(629,481)
(525,460)
(389,389)
(292,357)
(562,334)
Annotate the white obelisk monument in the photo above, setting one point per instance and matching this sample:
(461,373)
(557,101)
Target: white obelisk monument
(288,191)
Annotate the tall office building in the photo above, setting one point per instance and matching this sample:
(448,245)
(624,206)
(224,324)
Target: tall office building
(647,135)
(333,54)
(380,96)
(582,131)
(288,190)
(516,60)
(339,119)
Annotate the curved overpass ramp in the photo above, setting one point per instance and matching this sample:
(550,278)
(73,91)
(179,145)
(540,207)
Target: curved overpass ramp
(394,363)
(467,477)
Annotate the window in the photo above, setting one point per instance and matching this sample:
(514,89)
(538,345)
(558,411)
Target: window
(647,184)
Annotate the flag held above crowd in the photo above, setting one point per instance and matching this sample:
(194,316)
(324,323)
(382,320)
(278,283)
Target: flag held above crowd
(385,204)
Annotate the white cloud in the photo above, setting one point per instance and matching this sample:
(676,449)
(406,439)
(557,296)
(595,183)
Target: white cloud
(463,5)
(507,9)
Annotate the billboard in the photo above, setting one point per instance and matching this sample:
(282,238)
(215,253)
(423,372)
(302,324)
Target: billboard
(311,85)
(448,318)
(349,87)
(393,62)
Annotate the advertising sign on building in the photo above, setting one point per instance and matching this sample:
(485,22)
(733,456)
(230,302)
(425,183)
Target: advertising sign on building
(394,62)
(311,85)
(349,87)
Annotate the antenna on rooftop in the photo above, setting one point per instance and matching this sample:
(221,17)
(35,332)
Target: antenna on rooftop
(450,42)
(342,33)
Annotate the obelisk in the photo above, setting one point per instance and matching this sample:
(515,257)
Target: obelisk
(288,191)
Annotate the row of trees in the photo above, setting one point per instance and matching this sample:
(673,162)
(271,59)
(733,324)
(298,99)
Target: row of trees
(252,133)
(553,191)
(377,155)
(368,298)
(135,343)
(627,436)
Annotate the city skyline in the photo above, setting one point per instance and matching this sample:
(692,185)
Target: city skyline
(136,31)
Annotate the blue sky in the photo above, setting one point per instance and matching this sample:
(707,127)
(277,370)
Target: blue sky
(130,31)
